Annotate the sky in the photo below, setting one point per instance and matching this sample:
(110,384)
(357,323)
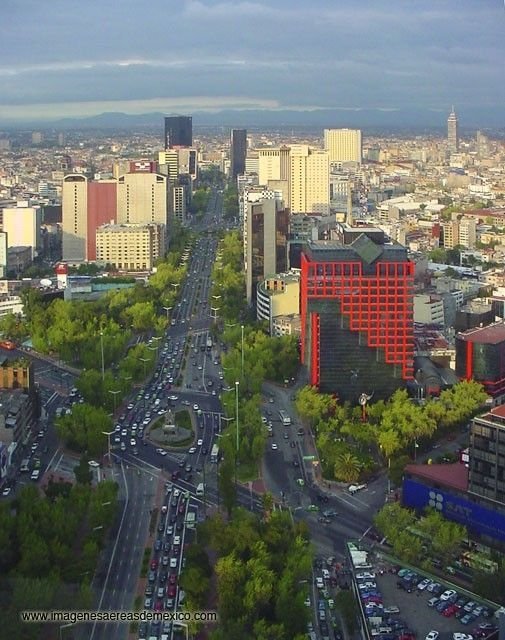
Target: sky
(62,58)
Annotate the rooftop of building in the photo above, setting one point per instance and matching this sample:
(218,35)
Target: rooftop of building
(492,334)
(496,415)
(363,248)
(11,400)
(454,475)
(130,227)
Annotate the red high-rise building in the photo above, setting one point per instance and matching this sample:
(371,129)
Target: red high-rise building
(102,209)
(357,315)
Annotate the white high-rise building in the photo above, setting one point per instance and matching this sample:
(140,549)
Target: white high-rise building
(75,217)
(309,182)
(142,197)
(22,226)
(301,173)
(3,254)
(343,145)
(452,132)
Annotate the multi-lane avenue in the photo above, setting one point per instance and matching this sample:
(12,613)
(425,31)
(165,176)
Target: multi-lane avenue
(188,374)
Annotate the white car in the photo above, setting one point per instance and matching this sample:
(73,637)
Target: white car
(365,575)
(195,407)
(274,446)
(124,433)
(6,491)
(319,582)
(447,594)
(162,452)
(424,584)
(133,442)
(199,442)
(353,488)
(432,635)
(93,463)
(177,493)
(366,586)
(462,636)
(173,563)
(173,397)
(392,609)
(192,450)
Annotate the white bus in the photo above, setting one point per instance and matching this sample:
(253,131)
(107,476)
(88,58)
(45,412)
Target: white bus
(285,418)
(214,454)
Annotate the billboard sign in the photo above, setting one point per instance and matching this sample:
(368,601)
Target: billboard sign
(477,518)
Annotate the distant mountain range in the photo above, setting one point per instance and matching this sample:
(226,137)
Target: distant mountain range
(413,119)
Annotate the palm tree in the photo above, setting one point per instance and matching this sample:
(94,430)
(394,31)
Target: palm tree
(267,502)
(347,467)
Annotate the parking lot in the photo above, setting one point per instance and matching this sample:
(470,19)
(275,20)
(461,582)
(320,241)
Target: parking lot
(415,611)
(402,604)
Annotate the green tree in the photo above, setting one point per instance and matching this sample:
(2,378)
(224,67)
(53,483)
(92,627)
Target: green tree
(397,468)
(83,471)
(347,467)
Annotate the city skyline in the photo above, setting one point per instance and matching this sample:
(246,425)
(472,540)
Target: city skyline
(208,56)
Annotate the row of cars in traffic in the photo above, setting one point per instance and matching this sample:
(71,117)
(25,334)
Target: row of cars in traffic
(162,591)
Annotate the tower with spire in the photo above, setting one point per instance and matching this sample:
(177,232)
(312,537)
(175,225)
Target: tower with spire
(452,132)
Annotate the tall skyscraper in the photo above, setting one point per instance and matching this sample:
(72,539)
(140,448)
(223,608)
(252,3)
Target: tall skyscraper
(301,172)
(343,145)
(22,226)
(238,151)
(356,313)
(309,180)
(452,132)
(178,131)
(267,226)
(142,196)
(86,205)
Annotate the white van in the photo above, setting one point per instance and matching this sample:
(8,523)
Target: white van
(35,475)
(200,490)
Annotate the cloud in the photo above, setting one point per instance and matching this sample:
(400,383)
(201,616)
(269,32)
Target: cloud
(332,53)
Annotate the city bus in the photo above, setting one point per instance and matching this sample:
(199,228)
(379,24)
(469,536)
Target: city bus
(285,418)
(214,454)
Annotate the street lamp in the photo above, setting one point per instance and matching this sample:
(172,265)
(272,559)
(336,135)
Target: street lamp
(101,349)
(175,284)
(108,434)
(144,360)
(215,309)
(222,417)
(167,309)
(236,421)
(242,349)
(114,393)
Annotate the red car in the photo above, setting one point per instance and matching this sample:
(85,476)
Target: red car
(154,564)
(172,578)
(171,590)
(450,611)
(158,606)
